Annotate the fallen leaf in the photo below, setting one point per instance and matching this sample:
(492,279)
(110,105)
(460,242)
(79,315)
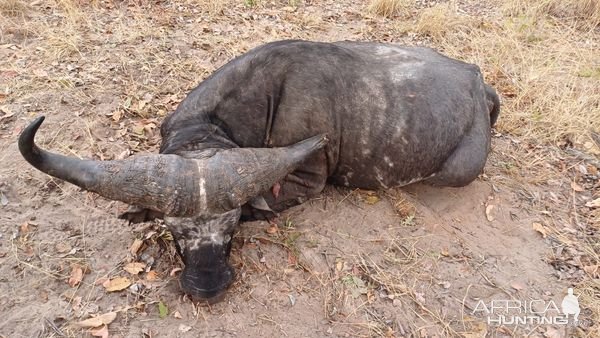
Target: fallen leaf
(103,319)
(76,275)
(138,129)
(517,286)
(371,198)
(135,247)
(272,229)
(3,199)
(134,268)
(152,275)
(488,212)
(540,228)
(477,330)
(552,333)
(127,103)
(101,281)
(163,310)
(173,272)
(117,284)
(184,328)
(40,73)
(62,247)
(116,116)
(593,204)
(24,228)
(576,187)
(177,315)
(591,270)
(8,74)
(101,332)
(445,284)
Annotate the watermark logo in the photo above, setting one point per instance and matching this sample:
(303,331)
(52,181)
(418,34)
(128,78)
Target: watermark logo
(570,305)
(530,312)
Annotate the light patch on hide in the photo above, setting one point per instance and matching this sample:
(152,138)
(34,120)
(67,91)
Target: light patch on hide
(203,194)
(388,161)
(414,180)
(389,50)
(202,185)
(193,232)
(406,70)
(380,178)
(411,181)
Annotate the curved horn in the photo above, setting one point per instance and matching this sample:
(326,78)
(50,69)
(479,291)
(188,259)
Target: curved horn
(232,177)
(158,182)
(171,184)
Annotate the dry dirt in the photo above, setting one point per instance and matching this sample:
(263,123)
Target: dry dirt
(410,262)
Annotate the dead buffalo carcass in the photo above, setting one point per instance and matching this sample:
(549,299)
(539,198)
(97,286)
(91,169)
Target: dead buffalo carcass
(267,130)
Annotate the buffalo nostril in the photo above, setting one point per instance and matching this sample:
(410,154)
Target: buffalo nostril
(207,285)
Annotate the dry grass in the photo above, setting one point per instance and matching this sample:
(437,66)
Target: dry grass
(585,12)
(438,21)
(13,7)
(389,8)
(214,7)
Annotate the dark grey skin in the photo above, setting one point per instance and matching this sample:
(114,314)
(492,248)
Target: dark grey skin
(392,116)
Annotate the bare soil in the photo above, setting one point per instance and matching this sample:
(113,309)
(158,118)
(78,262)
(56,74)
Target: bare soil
(411,262)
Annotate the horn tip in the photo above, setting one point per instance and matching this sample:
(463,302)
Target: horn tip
(26,142)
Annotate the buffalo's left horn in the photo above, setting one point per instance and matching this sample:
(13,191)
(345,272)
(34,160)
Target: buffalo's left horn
(172,184)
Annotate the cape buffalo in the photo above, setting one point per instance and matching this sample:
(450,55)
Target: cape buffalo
(267,130)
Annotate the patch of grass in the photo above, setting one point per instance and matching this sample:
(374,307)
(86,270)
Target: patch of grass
(440,20)
(13,7)
(586,13)
(389,8)
(61,41)
(214,7)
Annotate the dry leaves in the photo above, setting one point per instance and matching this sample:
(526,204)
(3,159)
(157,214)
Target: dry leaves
(371,198)
(272,229)
(540,228)
(135,247)
(103,319)
(117,284)
(517,286)
(134,268)
(76,275)
(576,187)
(593,204)
(152,276)
(488,212)
(592,270)
(100,332)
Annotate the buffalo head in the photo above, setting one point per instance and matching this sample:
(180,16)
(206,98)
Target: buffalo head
(200,198)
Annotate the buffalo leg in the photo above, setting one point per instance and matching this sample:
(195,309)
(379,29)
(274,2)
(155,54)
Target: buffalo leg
(467,160)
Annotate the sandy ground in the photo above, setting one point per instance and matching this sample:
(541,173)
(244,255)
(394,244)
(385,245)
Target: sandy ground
(412,262)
